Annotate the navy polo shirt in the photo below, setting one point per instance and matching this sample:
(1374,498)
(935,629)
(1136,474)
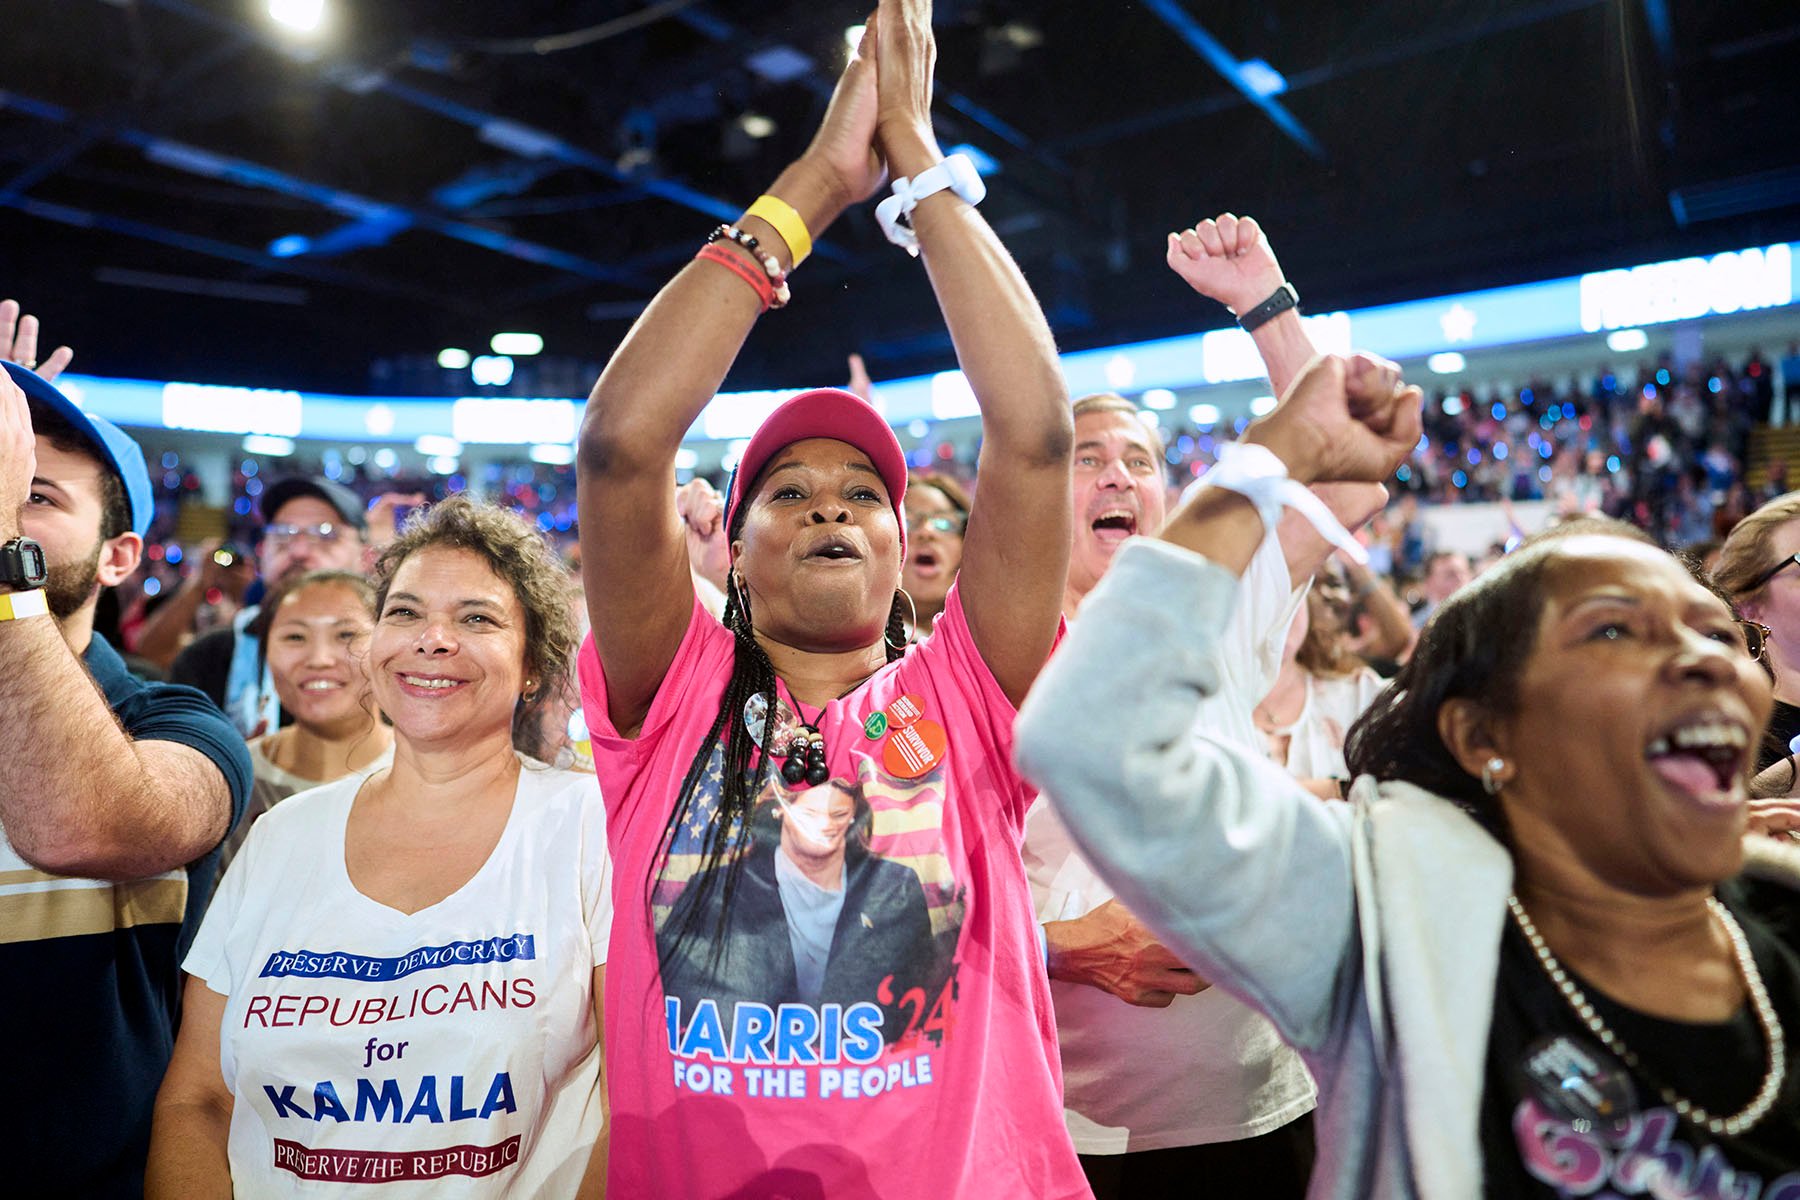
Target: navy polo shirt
(90,976)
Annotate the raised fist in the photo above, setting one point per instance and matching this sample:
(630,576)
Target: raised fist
(1227,259)
(1343,419)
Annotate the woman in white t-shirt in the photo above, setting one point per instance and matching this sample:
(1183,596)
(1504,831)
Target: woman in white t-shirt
(399,980)
(1321,690)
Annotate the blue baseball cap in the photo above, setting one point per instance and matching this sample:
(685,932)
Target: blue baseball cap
(113,446)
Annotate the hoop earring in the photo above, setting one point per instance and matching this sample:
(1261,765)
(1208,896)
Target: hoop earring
(1490,772)
(913,609)
(737,591)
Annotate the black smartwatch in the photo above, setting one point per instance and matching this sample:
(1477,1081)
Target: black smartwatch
(22,564)
(1285,297)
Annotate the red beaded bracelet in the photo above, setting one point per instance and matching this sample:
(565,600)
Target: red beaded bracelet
(770,264)
(759,282)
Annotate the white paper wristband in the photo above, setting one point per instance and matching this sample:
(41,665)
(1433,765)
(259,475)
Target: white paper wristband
(1255,473)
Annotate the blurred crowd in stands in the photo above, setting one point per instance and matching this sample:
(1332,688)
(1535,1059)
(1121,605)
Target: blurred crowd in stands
(1666,448)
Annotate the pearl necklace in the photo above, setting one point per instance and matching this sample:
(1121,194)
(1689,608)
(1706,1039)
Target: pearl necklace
(1774,1074)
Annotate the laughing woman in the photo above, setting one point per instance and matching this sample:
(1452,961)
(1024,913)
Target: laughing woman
(1510,962)
(934,1073)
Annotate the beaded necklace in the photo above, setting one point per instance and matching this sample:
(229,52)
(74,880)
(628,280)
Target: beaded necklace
(1774,1074)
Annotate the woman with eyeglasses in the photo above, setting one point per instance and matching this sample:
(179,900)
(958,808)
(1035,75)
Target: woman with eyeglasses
(1759,568)
(1517,963)
(937,512)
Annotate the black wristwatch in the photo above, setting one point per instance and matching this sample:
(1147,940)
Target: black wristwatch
(22,564)
(1285,297)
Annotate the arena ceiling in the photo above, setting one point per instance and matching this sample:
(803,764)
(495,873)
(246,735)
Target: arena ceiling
(189,191)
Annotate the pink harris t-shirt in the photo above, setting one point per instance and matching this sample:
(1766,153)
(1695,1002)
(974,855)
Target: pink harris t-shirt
(892,1036)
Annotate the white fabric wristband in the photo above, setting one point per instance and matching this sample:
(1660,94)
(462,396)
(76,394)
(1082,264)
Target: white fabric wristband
(1255,473)
(894,214)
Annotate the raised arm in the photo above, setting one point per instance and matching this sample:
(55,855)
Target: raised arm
(1108,731)
(634,558)
(1016,551)
(1393,635)
(83,797)
(1228,259)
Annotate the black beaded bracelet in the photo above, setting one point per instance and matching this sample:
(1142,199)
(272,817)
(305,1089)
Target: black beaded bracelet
(731,233)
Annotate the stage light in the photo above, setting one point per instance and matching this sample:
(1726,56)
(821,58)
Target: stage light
(442,464)
(1261,78)
(491,370)
(1447,363)
(1624,341)
(853,37)
(757,126)
(436,445)
(302,16)
(1204,414)
(291,246)
(386,459)
(552,455)
(686,459)
(1262,406)
(269,444)
(481,420)
(452,359)
(1120,371)
(520,345)
(1161,399)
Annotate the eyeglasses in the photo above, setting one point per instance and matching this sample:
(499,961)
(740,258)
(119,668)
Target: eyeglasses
(1756,639)
(937,524)
(1771,573)
(283,534)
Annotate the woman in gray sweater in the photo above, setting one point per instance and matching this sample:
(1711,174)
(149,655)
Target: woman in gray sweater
(1515,961)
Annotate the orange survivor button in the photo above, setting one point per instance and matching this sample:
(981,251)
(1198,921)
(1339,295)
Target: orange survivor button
(914,749)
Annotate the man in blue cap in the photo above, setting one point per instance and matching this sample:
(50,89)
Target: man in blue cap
(114,797)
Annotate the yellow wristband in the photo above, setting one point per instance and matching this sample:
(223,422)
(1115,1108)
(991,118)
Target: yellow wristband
(14,605)
(787,223)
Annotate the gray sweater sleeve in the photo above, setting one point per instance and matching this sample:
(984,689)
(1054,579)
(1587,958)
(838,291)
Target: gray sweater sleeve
(1227,859)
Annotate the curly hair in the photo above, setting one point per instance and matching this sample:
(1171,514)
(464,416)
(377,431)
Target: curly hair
(518,554)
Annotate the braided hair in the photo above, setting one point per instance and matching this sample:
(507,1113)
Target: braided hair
(745,765)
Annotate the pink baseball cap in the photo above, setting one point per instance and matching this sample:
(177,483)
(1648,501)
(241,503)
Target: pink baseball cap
(824,413)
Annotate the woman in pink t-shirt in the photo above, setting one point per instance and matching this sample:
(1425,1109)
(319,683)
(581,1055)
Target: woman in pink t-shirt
(824,977)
